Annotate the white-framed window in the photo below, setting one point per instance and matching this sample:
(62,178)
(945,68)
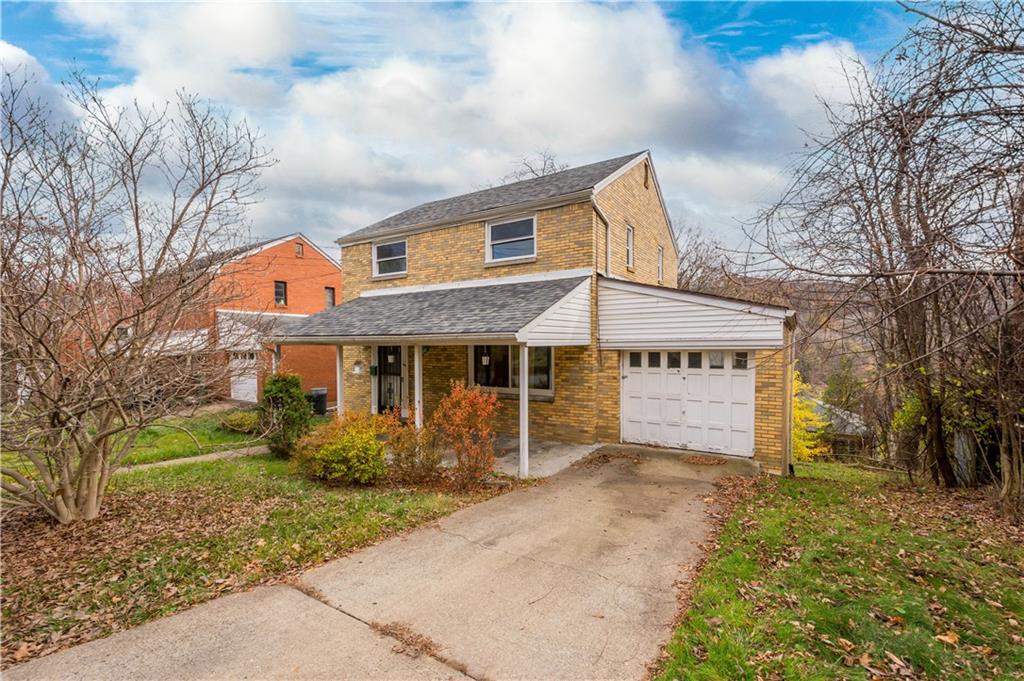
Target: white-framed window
(389,260)
(497,367)
(280,293)
(661,264)
(629,245)
(299,249)
(329,296)
(511,240)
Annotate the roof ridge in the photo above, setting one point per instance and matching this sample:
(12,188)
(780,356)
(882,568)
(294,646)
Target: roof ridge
(448,210)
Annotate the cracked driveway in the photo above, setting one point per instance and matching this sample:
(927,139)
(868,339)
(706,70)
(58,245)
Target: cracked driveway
(573,578)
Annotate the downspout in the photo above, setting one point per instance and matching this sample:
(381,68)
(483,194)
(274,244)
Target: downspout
(607,235)
(607,270)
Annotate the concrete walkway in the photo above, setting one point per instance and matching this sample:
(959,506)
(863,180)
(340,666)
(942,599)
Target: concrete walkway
(574,578)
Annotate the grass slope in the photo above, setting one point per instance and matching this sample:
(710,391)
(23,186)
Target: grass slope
(840,573)
(160,443)
(176,536)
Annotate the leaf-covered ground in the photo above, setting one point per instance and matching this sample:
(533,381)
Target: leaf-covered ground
(840,573)
(173,537)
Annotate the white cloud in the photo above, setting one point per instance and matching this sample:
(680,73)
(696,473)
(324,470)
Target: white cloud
(374,108)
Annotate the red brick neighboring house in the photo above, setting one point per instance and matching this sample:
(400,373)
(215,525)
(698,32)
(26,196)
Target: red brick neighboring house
(273,282)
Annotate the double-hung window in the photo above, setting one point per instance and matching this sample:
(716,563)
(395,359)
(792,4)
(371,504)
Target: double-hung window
(328,296)
(280,293)
(497,367)
(629,245)
(390,259)
(511,240)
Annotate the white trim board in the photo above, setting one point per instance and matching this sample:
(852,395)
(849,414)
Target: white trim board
(476,283)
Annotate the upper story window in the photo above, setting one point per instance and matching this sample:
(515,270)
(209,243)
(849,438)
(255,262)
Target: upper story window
(629,245)
(661,264)
(512,240)
(328,296)
(390,259)
(300,250)
(280,293)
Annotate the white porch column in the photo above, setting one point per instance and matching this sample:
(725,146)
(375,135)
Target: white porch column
(339,381)
(275,359)
(418,384)
(524,411)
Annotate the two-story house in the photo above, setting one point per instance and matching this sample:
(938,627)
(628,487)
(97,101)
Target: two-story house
(559,294)
(283,279)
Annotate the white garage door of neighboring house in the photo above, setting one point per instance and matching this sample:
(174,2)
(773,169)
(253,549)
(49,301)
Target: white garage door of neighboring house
(243,376)
(695,399)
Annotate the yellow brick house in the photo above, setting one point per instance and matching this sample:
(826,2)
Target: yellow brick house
(558,293)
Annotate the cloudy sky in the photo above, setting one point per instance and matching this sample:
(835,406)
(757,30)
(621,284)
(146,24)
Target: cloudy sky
(371,109)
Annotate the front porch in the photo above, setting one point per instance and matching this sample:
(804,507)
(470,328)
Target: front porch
(403,350)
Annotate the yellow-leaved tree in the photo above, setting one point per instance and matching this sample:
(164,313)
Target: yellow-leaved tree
(808,425)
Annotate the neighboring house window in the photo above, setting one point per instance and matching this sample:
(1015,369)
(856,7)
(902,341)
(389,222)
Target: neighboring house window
(123,333)
(661,264)
(390,259)
(512,240)
(328,296)
(497,366)
(280,293)
(299,250)
(629,245)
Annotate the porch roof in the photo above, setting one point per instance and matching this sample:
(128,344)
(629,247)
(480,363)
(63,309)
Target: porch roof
(512,312)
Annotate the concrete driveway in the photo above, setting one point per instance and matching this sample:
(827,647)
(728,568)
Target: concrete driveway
(574,578)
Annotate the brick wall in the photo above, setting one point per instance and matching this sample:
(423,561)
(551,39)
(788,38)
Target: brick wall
(565,240)
(772,418)
(627,201)
(248,285)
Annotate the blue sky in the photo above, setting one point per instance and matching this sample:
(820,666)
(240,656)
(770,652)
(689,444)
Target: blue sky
(374,108)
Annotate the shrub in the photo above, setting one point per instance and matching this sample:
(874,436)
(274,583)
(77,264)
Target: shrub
(285,412)
(416,453)
(247,421)
(464,421)
(808,426)
(343,450)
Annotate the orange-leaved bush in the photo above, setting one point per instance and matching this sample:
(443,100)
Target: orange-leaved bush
(465,421)
(416,453)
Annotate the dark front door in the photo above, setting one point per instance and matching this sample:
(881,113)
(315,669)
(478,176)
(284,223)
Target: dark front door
(389,377)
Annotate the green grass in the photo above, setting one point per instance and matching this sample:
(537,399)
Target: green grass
(161,443)
(825,575)
(172,537)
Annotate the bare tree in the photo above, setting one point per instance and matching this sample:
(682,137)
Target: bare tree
(113,227)
(538,164)
(913,204)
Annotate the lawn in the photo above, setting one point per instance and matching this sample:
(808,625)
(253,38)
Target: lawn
(843,573)
(176,536)
(161,443)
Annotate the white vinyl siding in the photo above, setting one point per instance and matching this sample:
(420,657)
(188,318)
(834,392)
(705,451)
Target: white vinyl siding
(567,322)
(635,316)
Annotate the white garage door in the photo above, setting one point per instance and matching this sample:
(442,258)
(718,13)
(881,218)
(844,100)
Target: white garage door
(696,399)
(243,376)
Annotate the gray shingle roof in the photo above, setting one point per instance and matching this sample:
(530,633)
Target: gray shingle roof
(449,210)
(497,309)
